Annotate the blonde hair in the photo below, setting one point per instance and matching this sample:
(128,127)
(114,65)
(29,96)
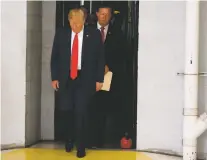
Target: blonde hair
(76,13)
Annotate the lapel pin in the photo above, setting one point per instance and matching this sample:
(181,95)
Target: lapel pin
(109,32)
(87,35)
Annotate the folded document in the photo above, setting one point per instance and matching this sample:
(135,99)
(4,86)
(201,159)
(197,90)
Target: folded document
(107,81)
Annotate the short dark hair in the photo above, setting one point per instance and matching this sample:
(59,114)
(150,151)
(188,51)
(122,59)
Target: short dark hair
(104,6)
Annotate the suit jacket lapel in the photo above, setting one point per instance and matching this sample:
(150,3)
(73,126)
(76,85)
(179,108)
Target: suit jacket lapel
(69,41)
(108,33)
(84,45)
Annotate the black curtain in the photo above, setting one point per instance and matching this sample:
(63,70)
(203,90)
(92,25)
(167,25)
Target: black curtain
(131,31)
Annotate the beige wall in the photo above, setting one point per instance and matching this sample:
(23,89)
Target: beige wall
(13,76)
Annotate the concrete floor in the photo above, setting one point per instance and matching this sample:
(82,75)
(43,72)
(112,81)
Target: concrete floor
(55,151)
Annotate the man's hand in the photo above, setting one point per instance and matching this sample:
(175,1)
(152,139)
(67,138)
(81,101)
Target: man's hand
(98,86)
(106,69)
(55,85)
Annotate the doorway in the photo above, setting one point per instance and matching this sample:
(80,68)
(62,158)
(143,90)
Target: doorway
(126,18)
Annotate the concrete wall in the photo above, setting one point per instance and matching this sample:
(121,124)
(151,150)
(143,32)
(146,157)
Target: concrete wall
(47,103)
(202,102)
(33,71)
(13,52)
(160,90)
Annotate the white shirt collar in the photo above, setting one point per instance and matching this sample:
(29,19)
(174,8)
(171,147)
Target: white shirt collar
(80,33)
(99,26)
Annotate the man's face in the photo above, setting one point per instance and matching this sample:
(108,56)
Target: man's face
(104,16)
(76,23)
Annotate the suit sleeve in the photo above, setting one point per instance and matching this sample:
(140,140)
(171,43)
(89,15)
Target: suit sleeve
(100,58)
(54,58)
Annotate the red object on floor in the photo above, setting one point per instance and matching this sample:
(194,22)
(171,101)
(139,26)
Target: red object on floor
(126,142)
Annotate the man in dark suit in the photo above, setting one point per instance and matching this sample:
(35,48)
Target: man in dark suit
(77,71)
(108,105)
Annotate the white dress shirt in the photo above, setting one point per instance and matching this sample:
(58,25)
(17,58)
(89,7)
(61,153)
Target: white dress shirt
(105,29)
(80,43)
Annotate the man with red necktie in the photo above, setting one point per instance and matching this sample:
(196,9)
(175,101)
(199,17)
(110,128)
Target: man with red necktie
(77,71)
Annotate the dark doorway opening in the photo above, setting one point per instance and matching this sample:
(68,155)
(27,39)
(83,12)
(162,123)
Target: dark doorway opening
(127,19)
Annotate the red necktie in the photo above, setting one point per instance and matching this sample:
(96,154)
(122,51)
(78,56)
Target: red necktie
(102,34)
(74,58)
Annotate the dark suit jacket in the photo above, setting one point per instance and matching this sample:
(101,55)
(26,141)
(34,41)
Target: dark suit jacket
(92,69)
(115,50)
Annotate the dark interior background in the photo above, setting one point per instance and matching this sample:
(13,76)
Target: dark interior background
(127,20)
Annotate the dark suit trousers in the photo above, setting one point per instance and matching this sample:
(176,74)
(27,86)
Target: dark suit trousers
(98,115)
(75,102)
(105,119)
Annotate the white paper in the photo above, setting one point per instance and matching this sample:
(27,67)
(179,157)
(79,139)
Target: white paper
(107,81)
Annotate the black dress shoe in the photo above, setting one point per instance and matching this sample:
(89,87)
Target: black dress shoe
(81,153)
(68,146)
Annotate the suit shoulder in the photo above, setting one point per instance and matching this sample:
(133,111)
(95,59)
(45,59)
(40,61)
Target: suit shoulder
(93,30)
(61,30)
